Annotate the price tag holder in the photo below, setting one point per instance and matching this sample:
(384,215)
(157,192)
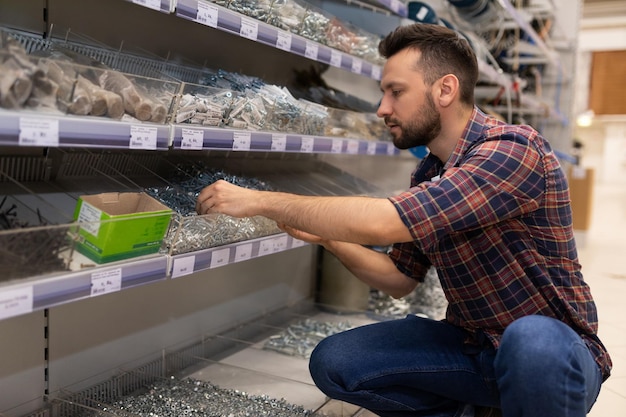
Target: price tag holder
(279,142)
(241,141)
(266,247)
(283,41)
(104,282)
(280,244)
(311,50)
(395,5)
(335,58)
(357,65)
(151,4)
(38,132)
(193,139)
(220,257)
(243,252)
(249,28)
(376,72)
(336,146)
(307,144)
(16,302)
(143,137)
(183,266)
(353,146)
(371,148)
(296,243)
(207,14)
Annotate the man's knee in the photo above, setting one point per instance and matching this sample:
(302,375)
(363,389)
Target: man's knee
(535,345)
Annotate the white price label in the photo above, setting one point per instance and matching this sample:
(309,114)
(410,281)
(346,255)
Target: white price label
(89,218)
(249,28)
(16,302)
(105,282)
(371,148)
(307,144)
(143,137)
(391,150)
(266,247)
(296,243)
(337,146)
(38,132)
(376,72)
(152,4)
(579,173)
(241,141)
(183,266)
(394,5)
(220,257)
(353,146)
(283,41)
(243,252)
(207,14)
(311,50)
(193,139)
(280,244)
(279,142)
(335,58)
(357,65)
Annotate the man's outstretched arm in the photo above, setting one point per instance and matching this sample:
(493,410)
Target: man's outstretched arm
(363,220)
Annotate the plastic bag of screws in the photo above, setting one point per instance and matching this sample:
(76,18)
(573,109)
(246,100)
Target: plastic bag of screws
(203,105)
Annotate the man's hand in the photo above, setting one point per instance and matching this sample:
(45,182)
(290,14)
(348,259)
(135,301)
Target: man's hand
(226,198)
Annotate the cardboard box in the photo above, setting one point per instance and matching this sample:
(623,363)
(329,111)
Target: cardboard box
(117,226)
(581,182)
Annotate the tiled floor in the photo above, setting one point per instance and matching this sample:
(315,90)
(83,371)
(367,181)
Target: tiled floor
(602,251)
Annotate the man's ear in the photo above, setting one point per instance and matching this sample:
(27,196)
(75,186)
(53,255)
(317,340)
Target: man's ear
(448,89)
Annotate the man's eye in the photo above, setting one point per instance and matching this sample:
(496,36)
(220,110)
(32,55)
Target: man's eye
(395,93)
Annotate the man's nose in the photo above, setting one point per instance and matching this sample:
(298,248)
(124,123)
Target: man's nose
(383,109)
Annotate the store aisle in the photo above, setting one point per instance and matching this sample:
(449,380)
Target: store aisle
(603,256)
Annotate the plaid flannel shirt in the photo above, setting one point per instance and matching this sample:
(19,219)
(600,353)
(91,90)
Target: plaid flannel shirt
(496,223)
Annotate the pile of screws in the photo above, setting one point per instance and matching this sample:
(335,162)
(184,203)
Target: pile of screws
(427,300)
(191,232)
(189,397)
(29,251)
(300,338)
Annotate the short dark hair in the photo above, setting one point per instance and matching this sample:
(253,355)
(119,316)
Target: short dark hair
(443,51)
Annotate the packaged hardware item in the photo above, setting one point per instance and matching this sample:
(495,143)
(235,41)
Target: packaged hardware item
(115,226)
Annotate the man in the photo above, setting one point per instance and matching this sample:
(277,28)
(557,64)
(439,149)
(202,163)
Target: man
(489,209)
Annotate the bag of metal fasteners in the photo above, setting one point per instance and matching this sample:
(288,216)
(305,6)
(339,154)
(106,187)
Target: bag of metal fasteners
(16,75)
(136,102)
(72,98)
(104,102)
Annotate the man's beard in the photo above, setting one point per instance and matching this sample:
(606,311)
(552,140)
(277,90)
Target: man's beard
(420,131)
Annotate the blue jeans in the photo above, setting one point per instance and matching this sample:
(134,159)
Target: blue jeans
(421,367)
